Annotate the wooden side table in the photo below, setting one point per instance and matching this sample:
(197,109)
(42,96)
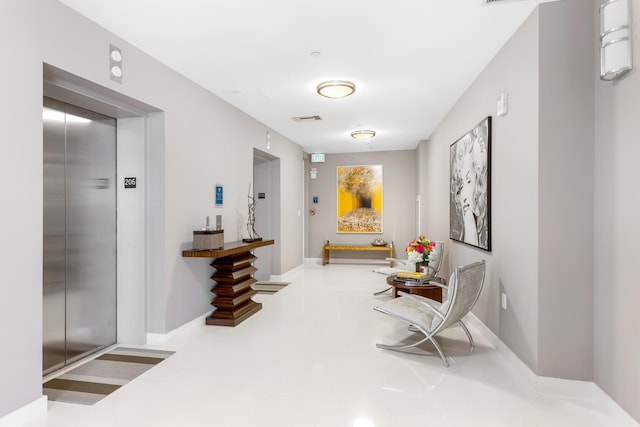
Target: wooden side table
(234,277)
(433,292)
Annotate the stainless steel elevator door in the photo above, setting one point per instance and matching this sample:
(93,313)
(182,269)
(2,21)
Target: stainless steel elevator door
(79,236)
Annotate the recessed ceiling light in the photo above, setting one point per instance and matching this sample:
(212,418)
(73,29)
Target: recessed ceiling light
(336,88)
(116,71)
(116,55)
(115,63)
(363,134)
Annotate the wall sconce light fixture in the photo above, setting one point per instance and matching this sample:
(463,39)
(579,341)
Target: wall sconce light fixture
(615,39)
(115,63)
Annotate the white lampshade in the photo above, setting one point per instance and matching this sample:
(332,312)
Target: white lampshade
(615,39)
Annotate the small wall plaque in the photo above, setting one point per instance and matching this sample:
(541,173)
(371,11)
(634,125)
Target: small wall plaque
(219,195)
(130,182)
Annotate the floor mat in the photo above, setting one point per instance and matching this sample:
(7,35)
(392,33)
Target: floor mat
(269,287)
(92,381)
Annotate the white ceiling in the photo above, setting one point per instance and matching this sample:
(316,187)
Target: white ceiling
(411,60)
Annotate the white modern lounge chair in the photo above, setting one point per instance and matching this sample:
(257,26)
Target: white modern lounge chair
(435,262)
(429,317)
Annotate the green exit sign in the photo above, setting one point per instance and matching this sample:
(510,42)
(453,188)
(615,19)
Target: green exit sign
(317,157)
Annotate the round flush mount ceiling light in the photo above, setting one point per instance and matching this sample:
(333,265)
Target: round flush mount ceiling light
(336,88)
(363,134)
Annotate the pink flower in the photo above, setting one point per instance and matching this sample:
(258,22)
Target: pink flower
(421,246)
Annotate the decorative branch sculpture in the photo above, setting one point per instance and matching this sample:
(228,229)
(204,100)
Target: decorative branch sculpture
(251,219)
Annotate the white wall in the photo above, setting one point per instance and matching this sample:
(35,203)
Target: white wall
(563,200)
(131,250)
(616,235)
(21,215)
(195,142)
(512,266)
(288,252)
(398,202)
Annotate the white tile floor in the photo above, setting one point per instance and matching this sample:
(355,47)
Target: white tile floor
(308,359)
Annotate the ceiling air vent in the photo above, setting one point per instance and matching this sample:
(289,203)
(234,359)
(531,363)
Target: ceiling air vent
(306,118)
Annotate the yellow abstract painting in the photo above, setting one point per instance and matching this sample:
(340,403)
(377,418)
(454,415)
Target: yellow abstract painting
(359,199)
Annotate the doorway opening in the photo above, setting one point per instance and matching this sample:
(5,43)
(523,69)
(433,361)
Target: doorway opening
(266,190)
(139,155)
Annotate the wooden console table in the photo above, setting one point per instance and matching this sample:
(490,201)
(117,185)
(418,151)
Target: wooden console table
(327,248)
(234,277)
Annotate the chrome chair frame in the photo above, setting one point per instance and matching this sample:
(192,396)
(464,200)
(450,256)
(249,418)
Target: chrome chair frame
(464,289)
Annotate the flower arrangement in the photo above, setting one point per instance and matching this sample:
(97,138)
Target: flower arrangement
(418,251)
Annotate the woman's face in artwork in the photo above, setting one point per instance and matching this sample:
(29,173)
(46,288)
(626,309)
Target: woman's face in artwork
(467,190)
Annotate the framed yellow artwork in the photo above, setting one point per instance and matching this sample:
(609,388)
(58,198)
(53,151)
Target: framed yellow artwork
(359,199)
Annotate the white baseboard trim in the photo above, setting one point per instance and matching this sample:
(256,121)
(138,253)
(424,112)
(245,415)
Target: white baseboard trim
(564,387)
(504,351)
(609,406)
(556,386)
(175,335)
(347,261)
(286,277)
(26,414)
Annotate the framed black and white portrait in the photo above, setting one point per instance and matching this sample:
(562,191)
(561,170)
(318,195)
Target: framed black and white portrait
(470,187)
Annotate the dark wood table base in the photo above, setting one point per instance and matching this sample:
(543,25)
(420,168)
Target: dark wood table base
(428,291)
(233,279)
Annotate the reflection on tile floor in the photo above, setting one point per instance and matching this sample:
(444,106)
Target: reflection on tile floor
(308,359)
